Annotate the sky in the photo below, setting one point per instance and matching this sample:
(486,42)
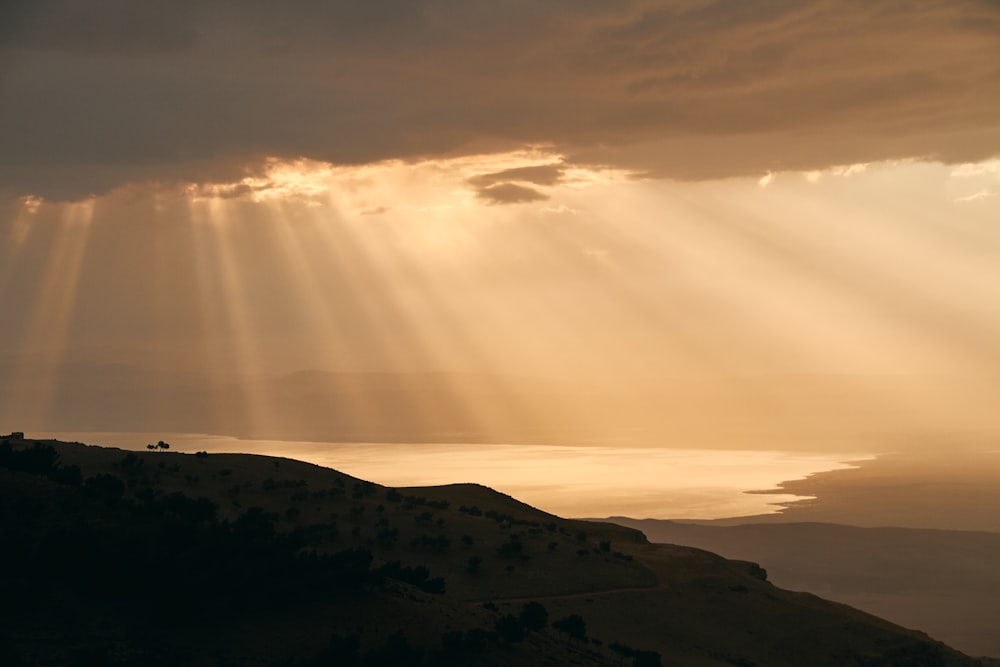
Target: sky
(676,223)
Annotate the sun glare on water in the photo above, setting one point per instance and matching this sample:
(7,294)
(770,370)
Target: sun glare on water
(569,481)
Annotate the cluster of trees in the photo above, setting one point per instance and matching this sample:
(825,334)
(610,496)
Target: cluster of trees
(418,576)
(345,651)
(38,459)
(533,617)
(639,657)
(411,501)
(99,544)
(466,647)
(573,626)
(457,647)
(77,549)
(431,542)
(504,518)
(511,548)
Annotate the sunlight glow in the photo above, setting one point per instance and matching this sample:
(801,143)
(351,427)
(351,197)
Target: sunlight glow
(672,275)
(21,226)
(610,309)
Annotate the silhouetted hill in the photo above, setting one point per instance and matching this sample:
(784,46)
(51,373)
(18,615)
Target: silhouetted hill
(162,558)
(944,582)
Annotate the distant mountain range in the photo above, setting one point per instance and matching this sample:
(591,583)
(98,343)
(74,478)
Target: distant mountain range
(795,413)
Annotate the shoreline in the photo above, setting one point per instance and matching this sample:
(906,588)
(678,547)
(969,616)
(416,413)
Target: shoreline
(568,480)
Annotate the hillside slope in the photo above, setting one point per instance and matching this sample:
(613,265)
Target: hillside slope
(942,581)
(158,557)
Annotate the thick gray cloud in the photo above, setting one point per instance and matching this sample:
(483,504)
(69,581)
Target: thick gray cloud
(95,94)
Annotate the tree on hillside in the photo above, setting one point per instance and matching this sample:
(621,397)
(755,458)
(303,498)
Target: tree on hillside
(573,626)
(534,616)
(639,657)
(509,629)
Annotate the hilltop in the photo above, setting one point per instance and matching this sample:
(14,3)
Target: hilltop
(160,557)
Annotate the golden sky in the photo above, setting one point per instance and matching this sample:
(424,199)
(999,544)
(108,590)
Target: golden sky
(641,202)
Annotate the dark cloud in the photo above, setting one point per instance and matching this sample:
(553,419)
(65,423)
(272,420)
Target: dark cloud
(543,174)
(508,186)
(510,193)
(99,26)
(95,94)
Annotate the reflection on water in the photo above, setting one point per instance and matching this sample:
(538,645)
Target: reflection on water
(565,480)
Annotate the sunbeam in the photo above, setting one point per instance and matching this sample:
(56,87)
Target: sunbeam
(32,389)
(233,346)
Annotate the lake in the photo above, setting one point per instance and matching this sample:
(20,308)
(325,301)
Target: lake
(571,481)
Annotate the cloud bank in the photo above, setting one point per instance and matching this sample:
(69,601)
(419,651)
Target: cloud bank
(98,94)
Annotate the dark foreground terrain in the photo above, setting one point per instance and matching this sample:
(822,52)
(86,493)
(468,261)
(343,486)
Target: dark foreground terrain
(163,558)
